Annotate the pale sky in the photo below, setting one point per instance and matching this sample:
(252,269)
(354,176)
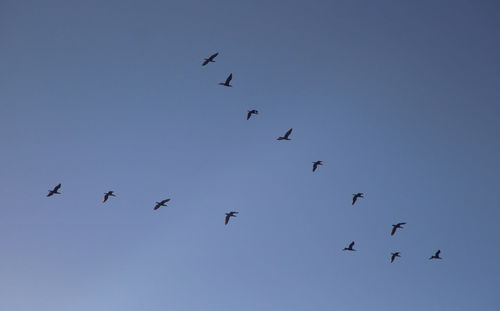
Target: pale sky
(399,99)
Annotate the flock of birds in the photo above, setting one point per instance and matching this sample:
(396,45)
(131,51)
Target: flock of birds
(355,197)
(395,227)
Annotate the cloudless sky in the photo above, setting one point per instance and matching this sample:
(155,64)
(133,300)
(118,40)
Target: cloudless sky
(400,99)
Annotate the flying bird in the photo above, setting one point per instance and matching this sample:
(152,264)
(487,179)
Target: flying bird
(229,215)
(436,255)
(227,81)
(107,195)
(54,191)
(395,227)
(160,204)
(210,59)
(316,163)
(350,247)
(356,196)
(394,255)
(286,135)
(250,112)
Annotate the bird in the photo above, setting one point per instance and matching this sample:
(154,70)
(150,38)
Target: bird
(350,247)
(107,195)
(54,191)
(210,59)
(227,81)
(356,196)
(285,137)
(394,255)
(316,163)
(229,215)
(436,255)
(395,227)
(159,204)
(250,112)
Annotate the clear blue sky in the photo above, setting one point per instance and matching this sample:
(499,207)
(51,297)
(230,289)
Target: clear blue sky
(400,99)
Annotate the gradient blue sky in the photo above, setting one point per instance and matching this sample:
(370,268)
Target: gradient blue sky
(400,99)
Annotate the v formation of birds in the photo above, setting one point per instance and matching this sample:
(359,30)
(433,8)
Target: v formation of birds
(230,214)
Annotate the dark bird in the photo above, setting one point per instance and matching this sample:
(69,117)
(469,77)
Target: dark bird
(394,255)
(107,195)
(356,196)
(395,227)
(316,163)
(227,81)
(229,215)
(350,247)
(210,59)
(286,135)
(250,112)
(436,255)
(54,191)
(160,204)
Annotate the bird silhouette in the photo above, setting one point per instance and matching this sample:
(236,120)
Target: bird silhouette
(394,255)
(436,255)
(229,215)
(210,59)
(316,163)
(250,112)
(349,248)
(285,137)
(54,191)
(395,227)
(227,81)
(356,196)
(107,195)
(160,204)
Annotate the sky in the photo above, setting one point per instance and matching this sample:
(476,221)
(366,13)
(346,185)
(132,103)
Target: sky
(399,99)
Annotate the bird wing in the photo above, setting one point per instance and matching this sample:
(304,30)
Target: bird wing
(249,115)
(57,187)
(229,78)
(394,228)
(205,62)
(105,197)
(157,206)
(165,201)
(213,56)
(402,223)
(227,219)
(354,198)
(437,253)
(315,166)
(288,132)
(351,245)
